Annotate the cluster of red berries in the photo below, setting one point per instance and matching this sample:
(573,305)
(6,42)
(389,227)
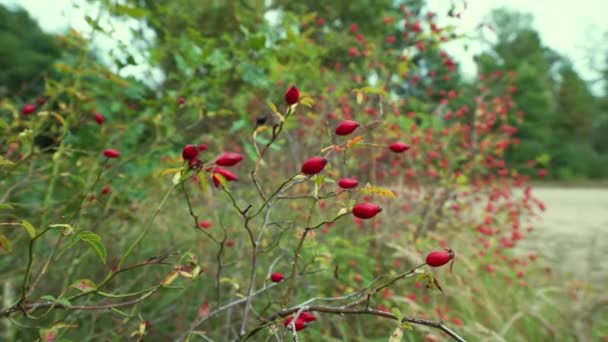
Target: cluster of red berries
(190,154)
(303,319)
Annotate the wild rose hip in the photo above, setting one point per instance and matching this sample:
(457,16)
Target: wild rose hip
(190,152)
(346,127)
(439,258)
(227,174)
(204,224)
(111,153)
(292,96)
(347,183)
(366,210)
(299,323)
(307,317)
(277,277)
(28,109)
(229,159)
(313,165)
(99,118)
(399,147)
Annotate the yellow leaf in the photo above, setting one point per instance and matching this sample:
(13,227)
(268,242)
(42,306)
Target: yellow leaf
(354,141)
(396,335)
(376,190)
(30,228)
(273,107)
(307,101)
(170,278)
(202,182)
(170,171)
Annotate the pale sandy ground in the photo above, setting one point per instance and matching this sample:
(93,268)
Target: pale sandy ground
(574,230)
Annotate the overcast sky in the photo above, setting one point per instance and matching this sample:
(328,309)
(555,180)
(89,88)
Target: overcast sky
(571,27)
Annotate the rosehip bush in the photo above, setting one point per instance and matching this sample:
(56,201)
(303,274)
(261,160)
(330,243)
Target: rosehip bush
(246,206)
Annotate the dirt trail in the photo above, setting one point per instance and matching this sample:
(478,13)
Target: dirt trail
(574,229)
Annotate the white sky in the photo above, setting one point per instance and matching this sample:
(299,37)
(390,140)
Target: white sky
(573,28)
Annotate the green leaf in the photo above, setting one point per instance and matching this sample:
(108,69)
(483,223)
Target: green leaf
(95,243)
(94,25)
(395,311)
(64,301)
(5,244)
(49,298)
(67,229)
(84,285)
(6,206)
(30,228)
(237,126)
(5,162)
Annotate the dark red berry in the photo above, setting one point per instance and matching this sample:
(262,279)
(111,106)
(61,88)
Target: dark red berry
(292,96)
(189,152)
(105,190)
(347,183)
(439,258)
(181,100)
(399,147)
(40,101)
(202,147)
(314,165)
(366,210)
(28,109)
(299,323)
(277,277)
(346,127)
(307,316)
(227,174)
(99,118)
(229,159)
(111,153)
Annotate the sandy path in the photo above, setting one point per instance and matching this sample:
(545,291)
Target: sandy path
(574,229)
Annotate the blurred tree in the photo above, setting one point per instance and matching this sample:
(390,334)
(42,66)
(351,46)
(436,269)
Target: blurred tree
(558,105)
(25,54)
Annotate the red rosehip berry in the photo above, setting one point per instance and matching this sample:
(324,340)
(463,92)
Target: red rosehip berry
(277,277)
(314,165)
(416,27)
(346,127)
(190,152)
(28,109)
(99,118)
(347,183)
(202,147)
(439,258)
(229,243)
(205,224)
(40,101)
(181,100)
(227,174)
(366,210)
(105,190)
(399,147)
(307,317)
(299,323)
(111,153)
(292,96)
(229,159)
